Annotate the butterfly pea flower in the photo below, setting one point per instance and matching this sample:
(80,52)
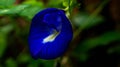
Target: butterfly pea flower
(50,34)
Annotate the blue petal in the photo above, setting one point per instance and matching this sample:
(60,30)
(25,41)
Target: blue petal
(50,34)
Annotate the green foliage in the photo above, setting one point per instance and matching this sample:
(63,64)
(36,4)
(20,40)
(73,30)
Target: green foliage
(41,63)
(57,3)
(23,58)
(106,38)
(13,10)
(30,13)
(26,10)
(6,3)
(17,22)
(3,38)
(49,63)
(115,49)
(11,63)
(34,63)
(102,40)
(84,21)
(2,44)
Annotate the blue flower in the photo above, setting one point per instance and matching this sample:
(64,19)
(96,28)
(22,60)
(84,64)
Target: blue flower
(50,34)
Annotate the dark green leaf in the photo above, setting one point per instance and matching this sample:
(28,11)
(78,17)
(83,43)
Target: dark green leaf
(2,44)
(35,63)
(48,63)
(11,63)
(82,49)
(115,49)
(3,37)
(102,40)
(23,58)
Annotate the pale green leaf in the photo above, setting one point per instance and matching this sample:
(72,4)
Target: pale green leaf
(30,12)
(14,10)
(80,20)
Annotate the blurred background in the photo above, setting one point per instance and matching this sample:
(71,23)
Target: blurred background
(96,27)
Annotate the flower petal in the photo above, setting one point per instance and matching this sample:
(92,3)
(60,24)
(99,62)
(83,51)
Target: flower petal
(50,34)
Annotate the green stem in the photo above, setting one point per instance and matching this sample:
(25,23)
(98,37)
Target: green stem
(58,62)
(69,7)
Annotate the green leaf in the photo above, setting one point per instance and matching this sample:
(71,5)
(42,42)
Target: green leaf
(102,40)
(41,63)
(1,65)
(115,49)
(5,11)
(80,20)
(10,63)
(6,29)
(7,2)
(81,51)
(20,8)
(2,44)
(81,56)
(48,63)
(3,38)
(34,3)
(14,10)
(23,58)
(30,12)
(54,3)
(35,63)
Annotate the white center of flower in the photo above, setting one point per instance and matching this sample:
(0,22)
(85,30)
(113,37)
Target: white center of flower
(51,37)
